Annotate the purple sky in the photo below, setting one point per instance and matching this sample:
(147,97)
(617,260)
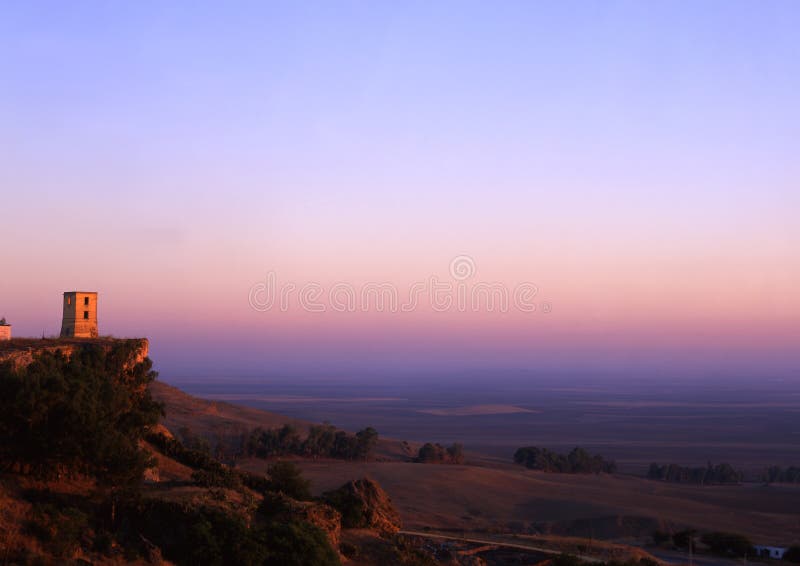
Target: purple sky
(635,162)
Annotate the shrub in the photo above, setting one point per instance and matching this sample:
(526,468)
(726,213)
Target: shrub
(578,461)
(351,508)
(322,441)
(430,453)
(710,474)
(60,529)
(728,544)
(213,537)
(286,477)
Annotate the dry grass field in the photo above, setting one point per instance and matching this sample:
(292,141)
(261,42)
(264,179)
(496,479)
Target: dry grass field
(489,493)
(477,497)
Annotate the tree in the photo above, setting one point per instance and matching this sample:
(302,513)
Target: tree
(429,453)
(455,453)
(366,440)
(728,544)
(578,461)
(85,414)
(287,478)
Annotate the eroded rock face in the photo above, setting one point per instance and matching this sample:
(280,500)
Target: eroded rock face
(364,504)
(21,352)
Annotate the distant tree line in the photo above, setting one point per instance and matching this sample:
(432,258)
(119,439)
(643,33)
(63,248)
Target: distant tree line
(711,474)
(322,441)
(437,454)
(578,461)
(776,474)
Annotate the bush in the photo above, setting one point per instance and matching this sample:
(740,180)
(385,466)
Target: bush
(209,472)
(222,477)
(286,478)
(213,537)
(728,544)
(437,454)
(578,461)
(349,506)
(296,543)
(710,474)
(60,529)
(324,441)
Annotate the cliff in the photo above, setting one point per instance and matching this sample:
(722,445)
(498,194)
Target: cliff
(21,351)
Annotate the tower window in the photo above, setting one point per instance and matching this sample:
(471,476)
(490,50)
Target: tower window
(86,301)
(69,300)
(86,315)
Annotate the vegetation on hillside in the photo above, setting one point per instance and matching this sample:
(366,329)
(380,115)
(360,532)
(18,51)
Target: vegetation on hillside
(82,415)
(322,441)
(732,545)
(190,535)
(777,474)
(578,461)
(437,454)
(719,474)
(85,418)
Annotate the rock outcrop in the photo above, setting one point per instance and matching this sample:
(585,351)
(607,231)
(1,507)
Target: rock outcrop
(364,504)
(323,516)
(20,352)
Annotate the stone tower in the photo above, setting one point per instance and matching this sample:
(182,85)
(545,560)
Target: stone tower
(80,315)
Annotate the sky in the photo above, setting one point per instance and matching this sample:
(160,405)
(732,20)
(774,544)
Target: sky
(625,174)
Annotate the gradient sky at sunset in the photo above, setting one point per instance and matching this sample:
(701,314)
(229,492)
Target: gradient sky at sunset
(639,162)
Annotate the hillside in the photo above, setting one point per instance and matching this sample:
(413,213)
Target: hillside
(222,422)
(89,476)
(89,473)
(212,418)
(489,494)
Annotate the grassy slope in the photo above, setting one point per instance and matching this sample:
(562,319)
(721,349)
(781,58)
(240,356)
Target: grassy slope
(464,497)
(213,419)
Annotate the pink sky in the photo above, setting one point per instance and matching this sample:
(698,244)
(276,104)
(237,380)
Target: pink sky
(639,166)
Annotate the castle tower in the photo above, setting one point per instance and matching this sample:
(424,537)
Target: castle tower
(80,315)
